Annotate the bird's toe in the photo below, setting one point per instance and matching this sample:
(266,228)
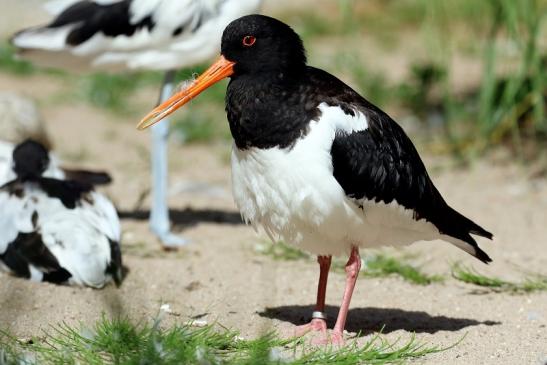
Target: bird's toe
(316,325)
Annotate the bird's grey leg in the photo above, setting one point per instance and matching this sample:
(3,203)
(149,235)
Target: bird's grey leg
(319,318)
(352,271)
(159,214)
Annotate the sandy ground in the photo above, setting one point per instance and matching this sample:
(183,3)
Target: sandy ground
(220,277)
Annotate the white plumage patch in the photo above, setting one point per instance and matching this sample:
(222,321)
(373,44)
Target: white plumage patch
(294,196)
(48,39)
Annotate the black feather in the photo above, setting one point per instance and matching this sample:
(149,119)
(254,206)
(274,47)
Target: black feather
(29,249)
(88,177)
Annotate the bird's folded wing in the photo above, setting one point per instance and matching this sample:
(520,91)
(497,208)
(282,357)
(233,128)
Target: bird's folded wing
(381,164)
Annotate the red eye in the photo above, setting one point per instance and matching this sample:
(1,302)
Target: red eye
(249,40)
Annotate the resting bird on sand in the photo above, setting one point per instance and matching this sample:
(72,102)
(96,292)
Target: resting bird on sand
(118,35)
(53,230)
(316,164)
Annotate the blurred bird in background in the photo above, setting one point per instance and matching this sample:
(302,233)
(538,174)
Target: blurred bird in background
(55,230)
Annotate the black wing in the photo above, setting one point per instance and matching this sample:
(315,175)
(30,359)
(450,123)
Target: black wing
(91,18)
(69,192)
(88,177)
(381,164)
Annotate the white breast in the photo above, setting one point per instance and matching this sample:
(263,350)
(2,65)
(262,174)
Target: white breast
(294,196)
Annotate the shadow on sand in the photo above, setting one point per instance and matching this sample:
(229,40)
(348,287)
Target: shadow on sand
(368,320)
(187,218)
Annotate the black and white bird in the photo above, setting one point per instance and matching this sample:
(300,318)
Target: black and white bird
(134,35)
(316,164)
(53,230)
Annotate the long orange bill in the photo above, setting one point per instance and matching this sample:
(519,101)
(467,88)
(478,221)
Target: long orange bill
(221,69)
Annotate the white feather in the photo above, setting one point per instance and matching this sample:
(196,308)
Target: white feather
(48,39)
(294,196)
(9,227)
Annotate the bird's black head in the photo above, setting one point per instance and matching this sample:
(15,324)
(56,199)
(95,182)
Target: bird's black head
(30,160)
(259,44)
(252,45)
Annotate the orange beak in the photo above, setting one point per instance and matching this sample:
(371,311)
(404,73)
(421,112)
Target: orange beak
(221,69)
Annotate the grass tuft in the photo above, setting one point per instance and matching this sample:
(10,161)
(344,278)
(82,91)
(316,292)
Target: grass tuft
(281,251)
(376,266)
(469,275)
(10,64)
(383,266)
(121,342)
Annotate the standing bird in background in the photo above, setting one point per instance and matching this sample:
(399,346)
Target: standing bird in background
(53,230)
(120,35)
(316,164)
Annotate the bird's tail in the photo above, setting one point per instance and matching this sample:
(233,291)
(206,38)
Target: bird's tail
(88,177)
(115,268)
(459,231)
(41,38)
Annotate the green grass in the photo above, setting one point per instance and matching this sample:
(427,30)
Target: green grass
(384,266)
(508,107)
(469,275)
(10,64)
(375,266)
(281,251)
(123,342)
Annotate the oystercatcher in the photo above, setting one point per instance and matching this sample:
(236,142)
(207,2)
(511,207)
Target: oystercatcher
(53,230)
(133,35)
(316,164)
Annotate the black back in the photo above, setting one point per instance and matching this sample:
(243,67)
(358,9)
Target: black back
(91,18)
(30,160)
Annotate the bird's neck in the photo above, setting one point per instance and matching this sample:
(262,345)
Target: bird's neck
(268,110)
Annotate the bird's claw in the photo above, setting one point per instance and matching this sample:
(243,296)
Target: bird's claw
(171,241)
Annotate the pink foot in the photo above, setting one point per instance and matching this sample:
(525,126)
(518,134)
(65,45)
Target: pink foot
(316,325)
(336,338)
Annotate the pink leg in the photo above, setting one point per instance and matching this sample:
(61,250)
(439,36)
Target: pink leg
(318,324)
(352,271)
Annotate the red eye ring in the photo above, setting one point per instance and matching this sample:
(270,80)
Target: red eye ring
(249,41)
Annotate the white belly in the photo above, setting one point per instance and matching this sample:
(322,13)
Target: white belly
(294,196)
